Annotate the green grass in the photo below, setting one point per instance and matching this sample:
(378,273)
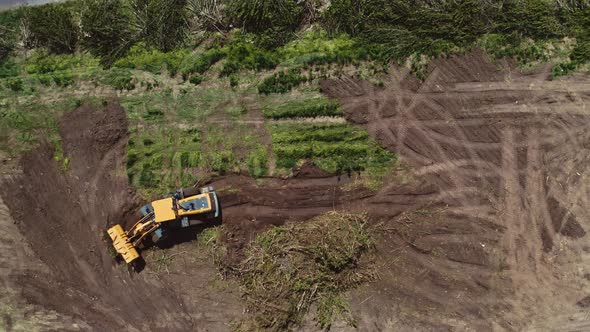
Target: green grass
(281,82)
(119,79)
(199,63)
(317,48)
(301,108)
(153,61)
(21,124)
(162,159)
(336,148)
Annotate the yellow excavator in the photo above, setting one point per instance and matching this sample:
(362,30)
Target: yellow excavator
(184,208)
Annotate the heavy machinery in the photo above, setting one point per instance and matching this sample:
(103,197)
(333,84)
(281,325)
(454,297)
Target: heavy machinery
(184,208)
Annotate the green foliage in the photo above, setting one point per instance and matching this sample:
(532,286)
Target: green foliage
(153,166)
(51,26)
(562,69)
(60,78)
(119,78)
(43,63)
(581,52)
(535,19)
(9,31)
(257,162)
(303,108)
(8,68)
(281,82)
(272,20)
(336,148)
(163,23)
(234,81)
(402,28)
(152,60)
(288,268)
(200,63)
(316,48)
(345,16)
(107,29)
(243,54)
(196,79)
(15,84)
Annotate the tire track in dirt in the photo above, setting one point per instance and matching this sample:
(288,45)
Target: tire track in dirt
(482,135)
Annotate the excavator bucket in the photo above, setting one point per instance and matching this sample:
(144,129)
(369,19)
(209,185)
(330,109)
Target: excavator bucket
(122,244)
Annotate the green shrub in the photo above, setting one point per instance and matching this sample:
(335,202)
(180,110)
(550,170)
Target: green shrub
(243,54)
(152,60)
(537,19)
(234,81)
(196,79)
(8,68)
(562,69)
(272,20)
(200,63)
(581,53)
(257,162)
(119,78)
(281,82)
(345,16)
(316,48)
(306,108)
(15,84)
(63,79)
(51,26)
(43,63)
(108,29)
(153,115)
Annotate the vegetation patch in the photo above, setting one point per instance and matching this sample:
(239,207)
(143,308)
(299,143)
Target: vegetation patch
(200,63)
(159,160)
(289,268)
(336,148)
(243,54)
(281,82)
(317,48)
(119,78)
(152,60)
(309,108)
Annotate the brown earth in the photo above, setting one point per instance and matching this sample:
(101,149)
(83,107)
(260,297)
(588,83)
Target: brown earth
(500,243)
(490,233)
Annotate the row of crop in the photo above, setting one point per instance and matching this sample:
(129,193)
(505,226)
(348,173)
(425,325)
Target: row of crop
(314,107)
(335,148)
(293,133)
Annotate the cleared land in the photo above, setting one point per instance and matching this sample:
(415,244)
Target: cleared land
(489,232)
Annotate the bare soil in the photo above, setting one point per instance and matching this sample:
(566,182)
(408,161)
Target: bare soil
(500,240)
(489,233)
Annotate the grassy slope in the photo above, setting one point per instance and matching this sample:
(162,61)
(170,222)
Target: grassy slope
(195,113)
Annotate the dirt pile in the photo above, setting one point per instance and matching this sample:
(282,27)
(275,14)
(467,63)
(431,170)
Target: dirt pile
(506,157)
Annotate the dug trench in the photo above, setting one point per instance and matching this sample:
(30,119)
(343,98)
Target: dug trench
(489,233)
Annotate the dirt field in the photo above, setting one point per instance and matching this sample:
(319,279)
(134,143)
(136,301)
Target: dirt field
(489,234)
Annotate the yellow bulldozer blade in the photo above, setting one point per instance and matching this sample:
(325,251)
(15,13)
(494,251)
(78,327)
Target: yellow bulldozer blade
(122,244)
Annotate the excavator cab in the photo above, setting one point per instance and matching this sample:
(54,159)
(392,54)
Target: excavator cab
(184,208)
